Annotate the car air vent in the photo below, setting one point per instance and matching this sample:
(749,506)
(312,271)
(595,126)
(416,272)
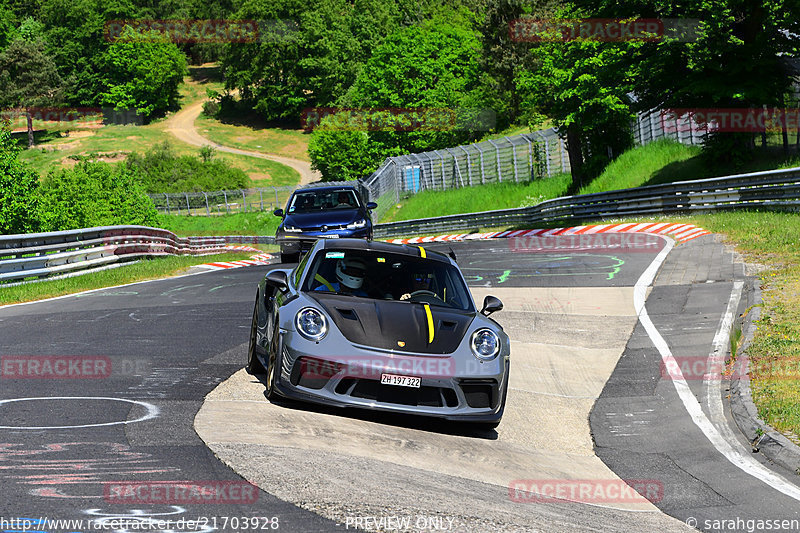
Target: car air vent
(448,325)
(348,314)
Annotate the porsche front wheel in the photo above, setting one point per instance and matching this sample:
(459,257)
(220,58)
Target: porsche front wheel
(254,366)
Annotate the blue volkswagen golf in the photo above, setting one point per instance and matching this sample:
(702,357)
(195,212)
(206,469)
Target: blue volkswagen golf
(323,212)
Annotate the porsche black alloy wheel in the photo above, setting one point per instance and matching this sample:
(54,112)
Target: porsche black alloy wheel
(254,366)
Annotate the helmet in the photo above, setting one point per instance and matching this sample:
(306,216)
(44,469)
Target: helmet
(350,272)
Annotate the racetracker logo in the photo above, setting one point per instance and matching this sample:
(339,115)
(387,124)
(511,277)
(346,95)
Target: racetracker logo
(585,490)
(716,368)
(183,30)
(596,29)
(730,120)
(369,368)
(399,119)
(180,492)
(75,116)
(55,367)
(591,243)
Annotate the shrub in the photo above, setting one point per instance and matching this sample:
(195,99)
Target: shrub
(94,194)
(161,170)
(19,195)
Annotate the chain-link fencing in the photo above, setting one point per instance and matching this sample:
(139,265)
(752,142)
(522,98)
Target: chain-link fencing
(204,203)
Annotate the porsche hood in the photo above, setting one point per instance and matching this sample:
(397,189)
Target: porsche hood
(399,326)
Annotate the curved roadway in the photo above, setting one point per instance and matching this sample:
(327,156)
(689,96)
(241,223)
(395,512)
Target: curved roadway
(171,344)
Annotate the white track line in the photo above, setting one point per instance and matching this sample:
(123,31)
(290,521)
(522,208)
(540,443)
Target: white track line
(744,462)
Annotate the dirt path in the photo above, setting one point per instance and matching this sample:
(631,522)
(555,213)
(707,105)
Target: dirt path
(181,125)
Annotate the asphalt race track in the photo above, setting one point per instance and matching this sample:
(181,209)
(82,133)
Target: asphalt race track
(587,402)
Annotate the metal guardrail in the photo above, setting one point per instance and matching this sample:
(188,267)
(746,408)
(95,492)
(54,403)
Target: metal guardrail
(39,255)
(770,189)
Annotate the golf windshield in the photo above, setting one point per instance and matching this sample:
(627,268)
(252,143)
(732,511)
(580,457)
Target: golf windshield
(305,202)
(386,276)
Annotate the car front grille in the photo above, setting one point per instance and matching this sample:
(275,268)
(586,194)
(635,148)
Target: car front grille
(371,389)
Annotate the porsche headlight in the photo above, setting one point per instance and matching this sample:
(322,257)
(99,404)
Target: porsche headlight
(311,324)
(357,224)
(485,344)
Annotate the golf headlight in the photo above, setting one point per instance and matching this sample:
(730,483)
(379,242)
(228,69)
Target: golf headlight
(291,229)
(311,324)
(357,224)
(485,344)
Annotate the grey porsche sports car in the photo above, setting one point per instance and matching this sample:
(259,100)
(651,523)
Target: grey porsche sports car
(380,326)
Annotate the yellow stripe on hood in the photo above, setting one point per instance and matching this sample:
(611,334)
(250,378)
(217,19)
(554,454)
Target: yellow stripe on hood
(430,322)
(422,253)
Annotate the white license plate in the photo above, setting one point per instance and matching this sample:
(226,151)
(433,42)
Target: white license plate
(402,381)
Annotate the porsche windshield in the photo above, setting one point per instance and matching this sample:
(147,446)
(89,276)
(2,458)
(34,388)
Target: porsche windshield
(386,276)
(304,202)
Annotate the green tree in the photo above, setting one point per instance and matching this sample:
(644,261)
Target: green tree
(8,25)
(77,42)
(146,70)
(19,194)
(266,72)
(308,55)
(734,60)
(28,79)
(341,154)
(584,87)
(94,194)
(432,67)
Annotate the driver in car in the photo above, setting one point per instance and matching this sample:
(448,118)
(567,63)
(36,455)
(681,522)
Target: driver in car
(420,281)
(350,273)
(343,200)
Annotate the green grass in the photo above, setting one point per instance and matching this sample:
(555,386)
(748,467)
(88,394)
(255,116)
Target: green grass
(58,144)
(143,270)
(237,224)
(658,162)
(479,198)
(256,136)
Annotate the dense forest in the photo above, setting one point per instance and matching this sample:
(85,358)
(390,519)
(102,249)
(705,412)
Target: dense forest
(457,55)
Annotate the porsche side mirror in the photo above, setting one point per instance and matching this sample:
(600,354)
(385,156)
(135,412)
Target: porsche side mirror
(491,304)
(278,212)
(278,278)
(371,205)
